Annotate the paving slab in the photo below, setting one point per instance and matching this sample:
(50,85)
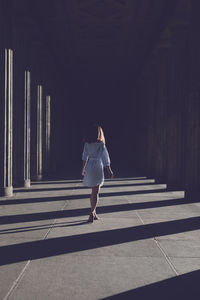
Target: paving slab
(8,276)
(10,234)
(146,236)
(88,277)
(151,196)
(181,248)
(186,264)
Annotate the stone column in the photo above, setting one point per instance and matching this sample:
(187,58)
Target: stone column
(47,132)
(18,118)
(34,100)
(150,104)
(37,110)
(27,99)
(6,121)
(6,97)
(39,132)
(192,158)
(160,107)
(176,109)
(21,118)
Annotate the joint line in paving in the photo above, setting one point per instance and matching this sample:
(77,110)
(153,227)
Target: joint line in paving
(55,220)
(161,249)
(22,273)
(166,257)
(16,282)
(137,213)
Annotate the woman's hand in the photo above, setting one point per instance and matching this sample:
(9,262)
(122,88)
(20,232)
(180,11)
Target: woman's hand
(83,172)
(111,176)
(110,172)
(83,168)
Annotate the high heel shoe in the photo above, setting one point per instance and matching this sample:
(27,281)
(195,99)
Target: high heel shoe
(91,218)
(96,217)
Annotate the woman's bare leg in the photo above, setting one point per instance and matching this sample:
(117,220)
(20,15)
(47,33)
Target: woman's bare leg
(91,216)
(95,214)
(97,200)
(95,196)
(93,201)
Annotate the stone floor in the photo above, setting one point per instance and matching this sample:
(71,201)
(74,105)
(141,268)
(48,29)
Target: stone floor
(145,246)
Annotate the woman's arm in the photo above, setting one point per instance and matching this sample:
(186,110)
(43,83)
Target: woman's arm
(106,161)
(110,172)
(84,158)
(83,168)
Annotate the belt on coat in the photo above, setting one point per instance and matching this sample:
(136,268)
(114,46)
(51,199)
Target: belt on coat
(93,158)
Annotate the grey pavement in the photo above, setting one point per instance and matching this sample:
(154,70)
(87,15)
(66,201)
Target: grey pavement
(146,244)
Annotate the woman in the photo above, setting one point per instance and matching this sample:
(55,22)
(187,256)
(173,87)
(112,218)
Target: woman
(95,157)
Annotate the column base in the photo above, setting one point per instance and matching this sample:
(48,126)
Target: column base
(27,183)
(6,191)
(38,177)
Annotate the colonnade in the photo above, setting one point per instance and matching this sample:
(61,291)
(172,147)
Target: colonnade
(169,89)
(25,83)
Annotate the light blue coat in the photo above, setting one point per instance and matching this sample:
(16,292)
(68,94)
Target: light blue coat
(97,157)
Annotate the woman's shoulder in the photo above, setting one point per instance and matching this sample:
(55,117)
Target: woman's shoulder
(95,143)
(100,144)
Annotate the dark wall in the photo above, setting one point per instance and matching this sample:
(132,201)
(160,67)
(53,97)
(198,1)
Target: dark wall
(169,89)
(149,109)
(108,103)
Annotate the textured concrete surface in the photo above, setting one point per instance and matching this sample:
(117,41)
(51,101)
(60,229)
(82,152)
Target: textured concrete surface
(145,245)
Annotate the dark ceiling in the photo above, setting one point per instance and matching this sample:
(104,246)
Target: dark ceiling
(99,39)
(99,48)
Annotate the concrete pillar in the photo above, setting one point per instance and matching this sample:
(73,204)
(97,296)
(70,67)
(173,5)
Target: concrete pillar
(176,109)
(6,97)
(37,111)
(6,121)
(192,158)
(160,106)
(33,121)
(39,132)
(150,91)
(27,99)
(21,142)
(47,132)
(18,121)
(139,150)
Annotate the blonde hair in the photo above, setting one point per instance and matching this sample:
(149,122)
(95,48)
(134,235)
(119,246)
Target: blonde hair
(101,136)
